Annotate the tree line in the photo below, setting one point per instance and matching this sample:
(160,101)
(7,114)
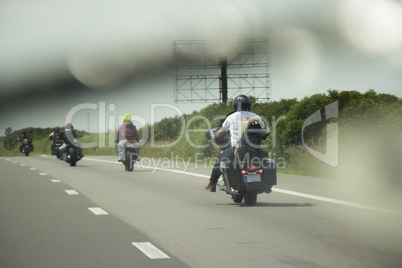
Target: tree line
(362,118)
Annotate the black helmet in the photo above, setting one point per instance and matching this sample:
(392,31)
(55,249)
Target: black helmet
(242,102)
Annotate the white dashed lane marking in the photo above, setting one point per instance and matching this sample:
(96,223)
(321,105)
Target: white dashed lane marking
(147,248)
(71,192)
(98,211)
(150,250)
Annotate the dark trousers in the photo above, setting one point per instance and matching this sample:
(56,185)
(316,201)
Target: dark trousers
(226,155)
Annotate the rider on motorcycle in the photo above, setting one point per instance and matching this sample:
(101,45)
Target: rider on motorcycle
(55,137)
(26,138)
(127,133)
(68,136)
(233,123)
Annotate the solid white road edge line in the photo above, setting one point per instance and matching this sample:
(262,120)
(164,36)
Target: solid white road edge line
(309,196)
(339,202)
(100,160)
(150,250)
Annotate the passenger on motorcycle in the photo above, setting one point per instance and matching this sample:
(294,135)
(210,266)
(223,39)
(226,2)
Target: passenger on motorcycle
(233,123)
(25,138)
(68,136)
(127,133)
(55,137)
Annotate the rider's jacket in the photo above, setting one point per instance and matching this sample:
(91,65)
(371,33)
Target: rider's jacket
(68,136)
(127,131)
(26,136)
(55,136)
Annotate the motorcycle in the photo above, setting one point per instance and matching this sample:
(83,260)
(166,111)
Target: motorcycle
(26,147)
(247,175)
(57,143)
(72,154)
(131,154)
(56,150)
(249,171)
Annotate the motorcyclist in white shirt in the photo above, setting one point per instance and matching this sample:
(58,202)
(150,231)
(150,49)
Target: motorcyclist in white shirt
(242,106)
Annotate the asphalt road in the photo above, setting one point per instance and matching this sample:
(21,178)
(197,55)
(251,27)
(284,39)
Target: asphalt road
(98,215)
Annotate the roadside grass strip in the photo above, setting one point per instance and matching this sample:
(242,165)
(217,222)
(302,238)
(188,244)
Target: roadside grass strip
(150,250)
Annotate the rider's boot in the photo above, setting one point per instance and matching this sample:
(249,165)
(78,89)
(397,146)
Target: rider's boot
(210,187)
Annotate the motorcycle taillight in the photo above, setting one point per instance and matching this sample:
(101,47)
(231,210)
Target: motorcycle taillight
(251,169)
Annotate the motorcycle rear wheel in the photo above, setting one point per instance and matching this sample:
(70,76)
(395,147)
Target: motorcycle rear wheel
(73,157)
(250,198)
(129,166)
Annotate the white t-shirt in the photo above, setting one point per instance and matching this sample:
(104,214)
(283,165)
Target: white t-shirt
(233,124)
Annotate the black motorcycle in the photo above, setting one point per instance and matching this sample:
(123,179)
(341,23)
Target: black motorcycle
(246,175)
(248,171)
(72,154)
(26,147)
(56,150)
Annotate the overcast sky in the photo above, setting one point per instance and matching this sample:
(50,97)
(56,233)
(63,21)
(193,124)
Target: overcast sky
(50,49)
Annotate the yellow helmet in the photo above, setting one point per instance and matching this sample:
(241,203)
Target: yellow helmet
(126,117)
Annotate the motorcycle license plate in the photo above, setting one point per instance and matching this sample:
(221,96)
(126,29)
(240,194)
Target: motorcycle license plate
(131,145)
(252,178)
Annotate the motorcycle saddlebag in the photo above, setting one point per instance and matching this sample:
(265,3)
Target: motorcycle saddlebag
(269,174)
(231,173)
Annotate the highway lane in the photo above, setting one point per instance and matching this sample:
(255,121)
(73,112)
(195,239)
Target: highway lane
(46,223)
(203,229)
